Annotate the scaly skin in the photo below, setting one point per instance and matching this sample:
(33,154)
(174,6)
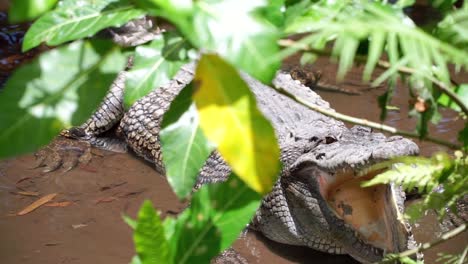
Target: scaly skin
(313,147)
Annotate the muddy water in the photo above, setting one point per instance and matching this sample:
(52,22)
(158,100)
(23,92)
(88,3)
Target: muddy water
(91,230)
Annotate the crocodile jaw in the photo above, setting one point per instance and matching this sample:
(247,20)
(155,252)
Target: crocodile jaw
(372,213)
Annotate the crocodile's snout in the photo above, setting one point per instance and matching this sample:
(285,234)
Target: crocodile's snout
(365,222)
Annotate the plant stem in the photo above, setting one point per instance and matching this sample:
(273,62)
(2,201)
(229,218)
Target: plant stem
(297,45)
(364,122)
(446,236)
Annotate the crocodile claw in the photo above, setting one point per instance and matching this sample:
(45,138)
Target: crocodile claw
(63,153)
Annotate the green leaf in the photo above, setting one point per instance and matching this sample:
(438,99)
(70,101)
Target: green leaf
(390,31)
(463,136)
(150,240)
(184,147)
(131,222)
(461,91)
(59,89)
(232,28)
(233,204)
(273,12)
(375,51)
(229,117)
(248,43)
(218,213)
(195,239)
(155,64)
(28,9)
(136,260)
(74,19)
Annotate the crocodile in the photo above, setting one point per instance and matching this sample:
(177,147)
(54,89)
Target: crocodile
(317,201)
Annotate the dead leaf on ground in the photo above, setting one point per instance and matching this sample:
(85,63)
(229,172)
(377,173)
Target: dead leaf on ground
(22,180)
(128,194)
(88,168)
(106,200)
(26,193)
(58,204)
(78,226)
(41,201)
(113,185)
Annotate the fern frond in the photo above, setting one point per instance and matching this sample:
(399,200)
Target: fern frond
(412,172)
(443,179)
(388,31)
(453,259)
(454,28)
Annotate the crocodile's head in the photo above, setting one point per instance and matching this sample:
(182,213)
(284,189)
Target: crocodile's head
(324,206)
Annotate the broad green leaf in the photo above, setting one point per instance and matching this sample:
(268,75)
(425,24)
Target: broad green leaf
(155,64)
(195,237)
(28,9)
(231,28)
(233,204)
(229,117)
(59,89)
(180,8)
(74,19)
(218,213)
(150,241)
(184,147)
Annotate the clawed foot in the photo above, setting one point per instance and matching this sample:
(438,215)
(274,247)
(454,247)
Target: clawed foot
(63,153)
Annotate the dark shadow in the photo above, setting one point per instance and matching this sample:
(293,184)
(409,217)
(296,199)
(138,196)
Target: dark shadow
(301,254)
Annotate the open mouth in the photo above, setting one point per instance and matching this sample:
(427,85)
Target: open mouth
(371,212)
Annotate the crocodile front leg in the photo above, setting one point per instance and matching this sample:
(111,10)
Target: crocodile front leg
(67,153)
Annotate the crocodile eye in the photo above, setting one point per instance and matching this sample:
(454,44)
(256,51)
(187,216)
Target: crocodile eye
(329,140)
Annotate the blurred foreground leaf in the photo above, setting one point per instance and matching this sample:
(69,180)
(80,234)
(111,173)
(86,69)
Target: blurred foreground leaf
(59,89)
(217,215)
(150,241)
(74,19)
(25,10)
(155,64)
(234,29)
(184,147)
(230,118)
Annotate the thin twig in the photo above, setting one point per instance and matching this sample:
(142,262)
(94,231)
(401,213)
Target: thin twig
(446,236)
(364,122)
(381,64)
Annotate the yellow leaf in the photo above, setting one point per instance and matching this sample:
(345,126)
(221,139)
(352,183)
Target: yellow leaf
(229,117)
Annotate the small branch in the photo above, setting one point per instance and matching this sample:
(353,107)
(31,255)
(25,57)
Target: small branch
(381,64)
(446,236)
(364,122)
